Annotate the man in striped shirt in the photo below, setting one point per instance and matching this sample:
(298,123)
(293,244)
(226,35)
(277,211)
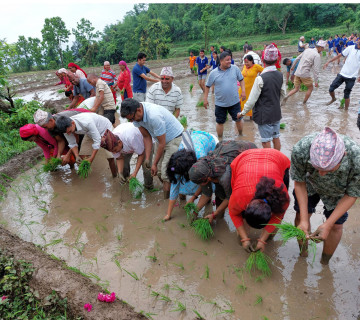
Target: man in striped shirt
(165,93)
(109,77)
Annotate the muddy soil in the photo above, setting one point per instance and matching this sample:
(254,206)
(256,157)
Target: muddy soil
(123,245)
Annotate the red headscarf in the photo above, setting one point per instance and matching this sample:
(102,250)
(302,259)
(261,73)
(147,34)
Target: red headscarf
(123,63)
(28,130)
(72,64)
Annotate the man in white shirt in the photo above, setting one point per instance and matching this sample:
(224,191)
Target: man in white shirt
(255,56)
(310,62)
(123,142)
(93,126)
(166,93)
(348,74)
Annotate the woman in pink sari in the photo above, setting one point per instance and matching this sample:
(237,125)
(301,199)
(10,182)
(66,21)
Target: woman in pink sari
(124,80)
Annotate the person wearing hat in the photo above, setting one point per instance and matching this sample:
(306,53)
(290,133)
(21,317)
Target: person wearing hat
(265,95)
(310,61)
(348,74)
(301,44)
(325,166)
(166,93)
(123,142)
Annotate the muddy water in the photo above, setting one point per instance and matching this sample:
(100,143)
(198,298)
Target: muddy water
(96,226)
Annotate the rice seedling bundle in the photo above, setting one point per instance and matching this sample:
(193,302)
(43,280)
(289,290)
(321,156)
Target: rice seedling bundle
(303,87)
(203,228)
(52,165)
(282,125)
(191,87)
(324,53)
(136,188)
(84,169)
(61,90)
(183,121)
(122,92)
(288,231)
(195,69)
(342,103)
(190,210)
(259,261)
(290,85)
(200,104)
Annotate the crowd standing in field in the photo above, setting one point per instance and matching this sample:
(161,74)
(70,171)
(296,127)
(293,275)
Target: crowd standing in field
(252,182)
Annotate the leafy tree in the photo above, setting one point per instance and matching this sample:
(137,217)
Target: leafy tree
(6,54)
(54,35)
(206,10)
(278,13)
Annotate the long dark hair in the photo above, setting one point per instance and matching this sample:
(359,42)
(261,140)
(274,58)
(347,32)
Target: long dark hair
(267,199)
(180,163)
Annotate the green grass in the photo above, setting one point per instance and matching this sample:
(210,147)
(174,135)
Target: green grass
(52,165)
(203,228)
(136,188)
(84,169)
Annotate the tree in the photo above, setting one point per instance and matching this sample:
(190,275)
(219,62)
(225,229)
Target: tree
(6,54)
(153,38)
(278,13)
(54,35)
(206,10)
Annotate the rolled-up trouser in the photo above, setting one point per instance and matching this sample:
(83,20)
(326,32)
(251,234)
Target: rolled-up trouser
(148,179)
(170,148)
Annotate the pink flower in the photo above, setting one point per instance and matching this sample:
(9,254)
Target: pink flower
(106,297)
(88,307)
(4,298)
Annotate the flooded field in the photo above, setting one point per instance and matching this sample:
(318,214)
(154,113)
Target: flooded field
(122,243)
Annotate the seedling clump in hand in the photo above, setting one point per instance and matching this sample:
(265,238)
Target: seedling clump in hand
(191,87)
(84,169)
(203,228)
(183,121)
(136,188)
(260,261)
(191,211)
(52,165)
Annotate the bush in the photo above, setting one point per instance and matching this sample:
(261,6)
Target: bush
(216,46)
(294,42)
(195,49)
(233,46)
(317,34)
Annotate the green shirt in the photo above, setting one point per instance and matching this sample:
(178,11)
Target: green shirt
(334,185)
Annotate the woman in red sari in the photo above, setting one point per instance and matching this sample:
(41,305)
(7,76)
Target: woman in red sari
(124,81)
(74,68)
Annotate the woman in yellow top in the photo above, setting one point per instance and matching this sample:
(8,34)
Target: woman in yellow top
(249,72)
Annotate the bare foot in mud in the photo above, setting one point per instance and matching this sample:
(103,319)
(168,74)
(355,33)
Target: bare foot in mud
(167,218)
(325,258)
(303,249)
(330,102)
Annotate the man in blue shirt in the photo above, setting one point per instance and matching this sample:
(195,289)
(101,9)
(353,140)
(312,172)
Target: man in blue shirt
(81,86)
(330,44)
(225,78)
(139,75)
(202,63)
(288,63)
(155,122)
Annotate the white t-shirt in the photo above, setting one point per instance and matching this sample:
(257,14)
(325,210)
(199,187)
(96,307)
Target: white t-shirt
(131,138)
(352,64)
(255,56)
(87,103)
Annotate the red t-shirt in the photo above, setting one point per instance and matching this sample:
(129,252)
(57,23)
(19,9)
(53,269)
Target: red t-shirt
(246,171)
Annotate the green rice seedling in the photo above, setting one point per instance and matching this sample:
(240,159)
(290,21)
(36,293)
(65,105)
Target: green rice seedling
(191,211)
(179,308)
(294,56)
(228,311)
(117,263)
(262,263)
(119,236)
(164,298)
(266,318)
(152,258)
(122,92)
(179,265)
(303,87)
(84,169)
(195,69)
(183,121)
(282,125)
(132,274)
(154,294)
(44,210)
(199,296)
(52,165)
(198,315)
(191,87)
(258,300)
(61,91)
(177,288)
(206,273)
(148,314)
(203,228)
(181,225)
(55,257)
(250,262)
(259,278)
(136,188)
(183,244)
(223,277)
(200,104)
(241,288)
(342,103)
(171,255)
(324,53)
(94,276)
(53,243)
(290,85)
(203,252)
(166,286)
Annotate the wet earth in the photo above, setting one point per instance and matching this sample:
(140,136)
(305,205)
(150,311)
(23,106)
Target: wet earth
(122,243)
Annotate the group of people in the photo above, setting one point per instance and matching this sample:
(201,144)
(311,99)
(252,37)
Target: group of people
(251,182)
